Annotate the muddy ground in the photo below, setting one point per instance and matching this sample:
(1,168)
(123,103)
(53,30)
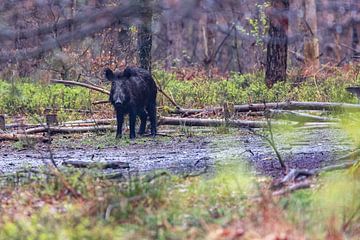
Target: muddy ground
(196,152)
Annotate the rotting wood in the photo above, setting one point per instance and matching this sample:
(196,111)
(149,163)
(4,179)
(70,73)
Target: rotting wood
(100,165)
(22,137)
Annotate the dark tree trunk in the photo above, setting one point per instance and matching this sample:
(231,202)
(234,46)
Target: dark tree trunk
(355,41)
(145,35)
(277,44)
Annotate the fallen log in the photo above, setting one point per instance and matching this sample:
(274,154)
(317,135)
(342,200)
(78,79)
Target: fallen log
(21,125)
(77,123)
(299,117)
(213,122)
(291,105)
(55,129)
(105,121)
(22,137)
(100,165)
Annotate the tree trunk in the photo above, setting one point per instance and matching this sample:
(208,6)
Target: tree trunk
(355,41)
(145,35)
(311,42)
(209,40)
(276,63)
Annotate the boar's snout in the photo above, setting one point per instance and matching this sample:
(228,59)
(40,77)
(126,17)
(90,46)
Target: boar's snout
(118,102)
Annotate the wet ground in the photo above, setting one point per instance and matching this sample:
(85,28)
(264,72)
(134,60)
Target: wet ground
(301,148)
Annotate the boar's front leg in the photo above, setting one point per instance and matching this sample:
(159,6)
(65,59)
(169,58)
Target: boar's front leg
(120,121)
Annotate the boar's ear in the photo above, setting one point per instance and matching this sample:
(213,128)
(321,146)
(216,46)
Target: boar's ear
(109,75)
(127,72)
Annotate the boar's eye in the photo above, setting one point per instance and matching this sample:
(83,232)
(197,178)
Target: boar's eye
(109,75)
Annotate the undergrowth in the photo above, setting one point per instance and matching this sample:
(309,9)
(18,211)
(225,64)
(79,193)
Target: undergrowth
(29,96)
(229,205)
(250,88)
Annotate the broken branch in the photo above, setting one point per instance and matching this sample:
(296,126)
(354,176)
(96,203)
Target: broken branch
(73,83)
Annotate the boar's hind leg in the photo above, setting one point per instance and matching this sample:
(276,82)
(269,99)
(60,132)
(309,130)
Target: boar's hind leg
(152,116)
(143,118)
(120,121)
(132,121)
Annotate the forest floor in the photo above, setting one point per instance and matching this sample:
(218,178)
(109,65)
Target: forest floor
(307,148)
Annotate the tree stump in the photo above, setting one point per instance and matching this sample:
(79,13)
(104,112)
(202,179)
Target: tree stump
(2,122)
(51,119)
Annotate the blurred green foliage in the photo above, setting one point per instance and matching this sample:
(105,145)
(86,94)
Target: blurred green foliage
(250,88)
(23,96)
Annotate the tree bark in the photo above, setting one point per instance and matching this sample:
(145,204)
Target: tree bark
(276,61)
(311,42)
(145,35)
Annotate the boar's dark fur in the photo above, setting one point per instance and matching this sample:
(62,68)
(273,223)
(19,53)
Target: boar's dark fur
(133,92)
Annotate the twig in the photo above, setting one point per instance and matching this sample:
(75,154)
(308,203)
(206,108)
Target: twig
(165,94)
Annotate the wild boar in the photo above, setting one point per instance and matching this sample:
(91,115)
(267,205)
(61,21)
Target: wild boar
(133,92)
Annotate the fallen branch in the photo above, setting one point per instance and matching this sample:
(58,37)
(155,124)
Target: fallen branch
(73,83)
(295,174)
(101,102)
(299,117)
(292,188)
(22,137)
(100,165)
(351,156)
